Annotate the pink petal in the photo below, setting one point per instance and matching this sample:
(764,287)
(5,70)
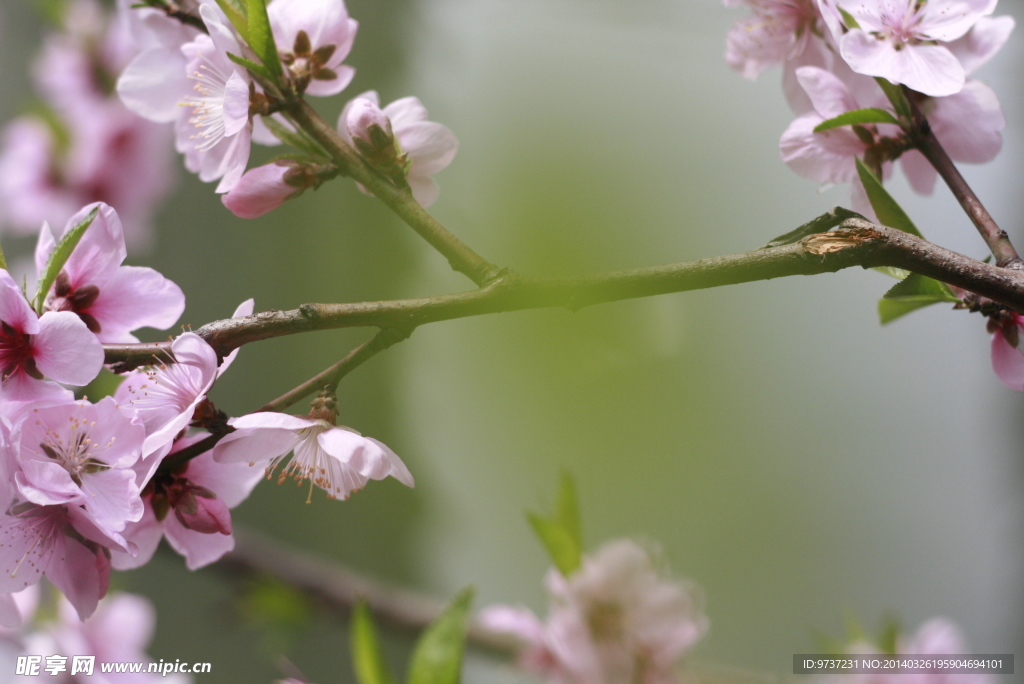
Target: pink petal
(14,310)
(145,534)
(947,20)
(431,146)
(255,446)
(259,191)
(968,124)
(154,84)
(829,96)
(826,157)
(244,309)
(236,104)
(198,549)
(65,350)
(136,297)
(982,42)
(928,69)
(1007,362)
(405,112)
(919,172)
(80,573)
(101,249)
(518,621)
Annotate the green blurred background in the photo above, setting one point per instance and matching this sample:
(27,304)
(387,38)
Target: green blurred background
(800,462)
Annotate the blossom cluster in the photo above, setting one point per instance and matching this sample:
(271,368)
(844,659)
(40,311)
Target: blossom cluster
(79,144)
(188,77)
(90,486)
(615,619)
(118,632)
(835,54)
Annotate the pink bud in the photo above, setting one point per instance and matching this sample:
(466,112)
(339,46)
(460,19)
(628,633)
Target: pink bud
(199,509)
(262,190)
(367,123)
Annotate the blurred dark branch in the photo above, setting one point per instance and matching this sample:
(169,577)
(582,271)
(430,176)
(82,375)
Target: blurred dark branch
(855,243)
(339,589)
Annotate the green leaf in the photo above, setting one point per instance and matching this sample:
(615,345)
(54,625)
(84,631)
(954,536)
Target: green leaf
(60,256)
(914,292)
(893,272)
(367,658)
(857,116)
(3,262)
(821,224)
(236,13)
(848,19)
(296,138)
(896,98)
(888,211)
(889,635)
(257,70)
(261,38)
(437,658)
(561,533)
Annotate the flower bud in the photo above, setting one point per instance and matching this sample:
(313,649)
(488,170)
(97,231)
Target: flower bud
(199,509)
(369,128)
(265,188)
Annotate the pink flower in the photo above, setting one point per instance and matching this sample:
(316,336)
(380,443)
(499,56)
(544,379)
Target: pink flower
(215,131)
(265,188)
(828,156)
(428,146)
(112,300)
(1007,355)
(57,345)
(81,454)
(906,41)
(202,535)
(777,31)
(616,619)
(165,397)
(313,38)
(337,460)
(62,543)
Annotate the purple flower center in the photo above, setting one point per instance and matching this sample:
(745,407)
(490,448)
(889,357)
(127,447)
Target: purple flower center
(78,300)
(901,24)
(16,352)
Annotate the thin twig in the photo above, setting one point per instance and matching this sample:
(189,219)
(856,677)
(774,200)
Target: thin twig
(995,237)
(385,338)
(855,243)
(461,257)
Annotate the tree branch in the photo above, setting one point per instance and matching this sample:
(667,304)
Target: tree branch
(995,237)
(855,243)
(340,589)
(385,338)
(461,257)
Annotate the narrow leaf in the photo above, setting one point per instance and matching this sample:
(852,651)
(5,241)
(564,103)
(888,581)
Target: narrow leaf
(893,272)
(820,224)
(261,38)
(296,138)
(236,13)
(367,658)
(888,211)
(848,19)
(3,262)
(914,292)
(561,533)
(896,98)
(257,70)
(60,256)
(857,116)
(437,658)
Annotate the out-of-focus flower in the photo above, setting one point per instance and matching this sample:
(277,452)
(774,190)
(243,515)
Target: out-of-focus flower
(423,147)
(616,619)
(1007,329)
(313,38)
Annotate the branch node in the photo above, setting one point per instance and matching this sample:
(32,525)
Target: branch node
(310,311)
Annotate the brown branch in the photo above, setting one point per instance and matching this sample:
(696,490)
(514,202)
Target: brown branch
(995,237)
(387,337)
(856,243)
(340,589)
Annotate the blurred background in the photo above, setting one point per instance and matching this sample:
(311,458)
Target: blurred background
(801,463)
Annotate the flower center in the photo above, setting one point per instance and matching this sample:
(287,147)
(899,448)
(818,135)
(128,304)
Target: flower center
(76,454)
(78,300)
(16,352)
